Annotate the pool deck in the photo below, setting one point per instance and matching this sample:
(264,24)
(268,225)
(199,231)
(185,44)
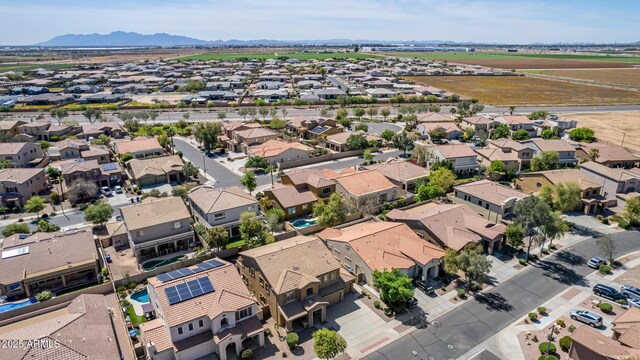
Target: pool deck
(166,257)
(137,306)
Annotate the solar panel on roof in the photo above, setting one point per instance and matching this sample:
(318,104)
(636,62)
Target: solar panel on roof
(205,284)
(164,277)
(189,290)
(174,274)
(195,288)
(185,271)
(109,167)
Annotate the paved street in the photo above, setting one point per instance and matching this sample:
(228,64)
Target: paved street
(457,332)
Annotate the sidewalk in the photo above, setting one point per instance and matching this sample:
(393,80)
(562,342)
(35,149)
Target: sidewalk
(27,219)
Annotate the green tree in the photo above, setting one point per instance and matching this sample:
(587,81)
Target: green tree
(181,192)
(451,261)
(520,135)
(501,132)
(444,164)
(362,127)
(190,170)
(277,124)
(468,134)
(15,228)
(546,133)
(330,211)
(327,344)
(404,142)
(372,111)
(358,112)
(44,144)
(426,192)
(607,247)
(98,213)
(632,210)
(443,178)
(367,155)
(249,181)
(395,287)
(475,266)
(547,160)
(594,154)
(222,115)
(44,226)
(92,114)
(34,205)
(538,115)
(554,228)
(132,126)
(437,134)
(385,112)
(357,141)
(181,125)
(207,133)
(59,114)
(270,169)
(387,135)
(496,167)
(253,231)
(531,213)
(216,237)
(568,196)
(514,235)
(102,140)
(582,134)
(256,162)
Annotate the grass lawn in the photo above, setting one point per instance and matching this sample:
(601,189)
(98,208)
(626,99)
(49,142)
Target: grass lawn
(234,244)
(135,319)
(28,67)
(259,56)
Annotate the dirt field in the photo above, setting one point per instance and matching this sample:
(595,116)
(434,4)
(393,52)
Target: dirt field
(611,76)
(611,126)
(528,91)
(526,63)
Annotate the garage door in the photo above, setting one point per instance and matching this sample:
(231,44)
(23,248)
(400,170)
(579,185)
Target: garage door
(148,180)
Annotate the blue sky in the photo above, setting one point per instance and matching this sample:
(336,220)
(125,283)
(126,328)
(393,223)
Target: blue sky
(506,21)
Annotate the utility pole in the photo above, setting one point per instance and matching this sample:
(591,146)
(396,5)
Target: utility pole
(624,134)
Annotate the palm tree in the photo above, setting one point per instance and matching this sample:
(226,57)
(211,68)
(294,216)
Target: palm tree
(171,133)
(512,109)
(270,169)
(594,154)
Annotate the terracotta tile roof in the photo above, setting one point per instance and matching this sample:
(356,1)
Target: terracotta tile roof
(615,174)
(289,196)
(365,182)
(274,148)
(212,200)
(137,145)
(79,165)
(631,337)
(229,295)
(551,145)
(452,225)
(84,332)
(490,191)
(94,151)
(20,175)
(155,332)
(517,120)
(609,152)
(238,125)
(477,120)
(510,144)
(12,148)
(400,170)
(385,245)
(100,127)
(627,319)
(279,262)
(433,117)
(255,133)
(72,143)
(47,252)
(455,151)
(598,344)
(566,175)
(341,138)
(493,154)
(154,211)
(160,165)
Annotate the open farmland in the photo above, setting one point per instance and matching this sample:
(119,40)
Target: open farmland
(528,61)
(610,127)
(260,56)
(522,90)
(629,77)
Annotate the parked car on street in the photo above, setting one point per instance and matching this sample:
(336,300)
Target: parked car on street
(608,292)
(595,262)
(118,189)
(424,286)
(105,191)
(634,302)
(630,292)
(587,317)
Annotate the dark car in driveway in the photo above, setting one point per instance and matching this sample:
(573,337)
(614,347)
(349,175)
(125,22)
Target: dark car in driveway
(424,286)
(608,292)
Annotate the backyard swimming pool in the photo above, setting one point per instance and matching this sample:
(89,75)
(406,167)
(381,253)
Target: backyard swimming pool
(152,264)
(141,296)
(9,307)
(303,223)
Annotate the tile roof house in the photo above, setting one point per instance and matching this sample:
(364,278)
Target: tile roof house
(278,151)
(404,174)
(338,142)
(515,155)
(451,226)
(214,207)
(590,344)
(203,311)
(156,170)
(463,158)
(378,246)
(158,226)
(566,152)
(450,128)
(608,155)
(367,190)
(294,280)
(518,122)
(592,197)
(86,328)
(139,148)
(243,139)
(23,154)
(18,185)
(479,123)
(488,197)
(615,181)
(110,128)
(47,261)
(293,202)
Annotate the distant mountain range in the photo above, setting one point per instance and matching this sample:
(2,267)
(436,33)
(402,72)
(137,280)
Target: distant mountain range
(122,38)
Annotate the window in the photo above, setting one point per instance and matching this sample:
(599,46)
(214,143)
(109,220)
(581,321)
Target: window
(190,327)
(333,275)
(245,280)
(177,225)
(479,202)
(336,253)
(309,291)
(179,330)
(326,190)
(252,272)
(243,313)
(326,278)
(347,260)
(261,281)
(305,206)
(263,300)
(200,323)
(267,288)
(538,184)
(219,216)
(486,206)
(15,287)
(291,211)
(290,296)
(140,233)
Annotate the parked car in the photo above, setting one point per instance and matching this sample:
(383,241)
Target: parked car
(118,189)
(630,292)
(587,317)
(424,286)
(608,292)
(105,191)
(595,262)
(634,302)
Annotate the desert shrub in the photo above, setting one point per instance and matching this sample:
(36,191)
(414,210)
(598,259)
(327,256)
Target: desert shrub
(364,293)
(533,257)
(267,331)
(565,343)
(553,247)
(533,316)
(571,328)
(599,217)
(388,311)
(542,310)
(292,340)
(246,354)
(605,269)
(624,224)
(606,307)
(461,292)
(545,251)
(547,347)
(561,323)
(605,221)
(44,296)
(376,304)
(522,262)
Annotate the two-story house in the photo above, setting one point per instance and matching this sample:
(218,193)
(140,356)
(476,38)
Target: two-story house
(294,280)
(243,139)
(377,246)
(404,174)
(202,312)
(18,185)
(617,183)
(566,152)
(515,155)
(450,129)
(367,190)
(278,151)
(480,124)
(222,207)
(139,148)
(518,122)
(156,170)
(613,156)
(493,200)
(22,154)
(464,160)
(158,226)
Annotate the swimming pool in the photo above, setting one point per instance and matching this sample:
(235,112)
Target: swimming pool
(9,307)
(141,296)
(303,223)
(152,264)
